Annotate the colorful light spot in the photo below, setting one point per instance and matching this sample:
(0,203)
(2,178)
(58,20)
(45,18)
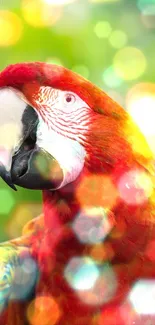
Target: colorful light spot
(103,290)
(7,201)
(81,273)
(140,104)
(147,7)
(28,211)
(111,79)
(143,112)
(93,225)
(135,187)
(97,191)
(102,29)
(138,142)
(129,63)
(118,39)
(102,252)
(43,310)
(12,25)
(98,252)
(94,283)
(40,14)
(142,297)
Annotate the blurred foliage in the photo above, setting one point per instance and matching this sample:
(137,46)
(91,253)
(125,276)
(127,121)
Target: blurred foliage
(110,42)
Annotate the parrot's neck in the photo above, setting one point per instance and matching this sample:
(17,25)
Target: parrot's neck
(90,190)
(60,207)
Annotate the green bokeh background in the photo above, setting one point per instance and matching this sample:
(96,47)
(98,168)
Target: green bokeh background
(72,41)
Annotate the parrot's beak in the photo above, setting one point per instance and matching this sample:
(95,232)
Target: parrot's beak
(35,168)
(22,161)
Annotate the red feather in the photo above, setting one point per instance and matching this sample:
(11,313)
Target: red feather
(114,147)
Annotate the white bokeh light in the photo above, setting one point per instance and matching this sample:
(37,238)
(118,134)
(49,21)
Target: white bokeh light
(142,111)
(142,297)
(93,225)
(81,273)
(135,187)
(94,283)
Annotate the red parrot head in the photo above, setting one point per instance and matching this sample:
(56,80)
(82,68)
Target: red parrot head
(55,124)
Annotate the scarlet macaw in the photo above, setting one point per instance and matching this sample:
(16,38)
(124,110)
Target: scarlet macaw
(97,175)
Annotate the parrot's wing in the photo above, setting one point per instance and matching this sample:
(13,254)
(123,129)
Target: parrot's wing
(18,273)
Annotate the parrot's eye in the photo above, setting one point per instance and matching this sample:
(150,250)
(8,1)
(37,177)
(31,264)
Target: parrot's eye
(70,98)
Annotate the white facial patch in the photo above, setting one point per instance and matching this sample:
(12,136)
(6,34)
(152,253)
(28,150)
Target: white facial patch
(69,153)
(11,111)
(64,112)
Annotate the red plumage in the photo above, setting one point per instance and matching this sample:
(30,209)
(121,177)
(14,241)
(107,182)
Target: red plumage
(114,147)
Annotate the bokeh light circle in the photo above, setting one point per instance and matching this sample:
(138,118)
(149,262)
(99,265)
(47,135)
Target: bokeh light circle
(11,28)
(142,297)
(104,289)
(43,310)
(93,283)
(146,6)
(143,112)
(81,273)
(129,63)
(135,187)
(102,252)
(28,211)
(118,39)
(97,190)
(102,29)
(40,14)
(111,79)
(93,225)
(140,102)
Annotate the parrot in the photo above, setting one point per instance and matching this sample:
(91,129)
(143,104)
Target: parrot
(81,261)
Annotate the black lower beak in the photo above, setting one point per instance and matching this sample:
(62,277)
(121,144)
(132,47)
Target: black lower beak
(36,169)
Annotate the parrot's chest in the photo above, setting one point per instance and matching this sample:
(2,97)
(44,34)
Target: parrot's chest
(84,278)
